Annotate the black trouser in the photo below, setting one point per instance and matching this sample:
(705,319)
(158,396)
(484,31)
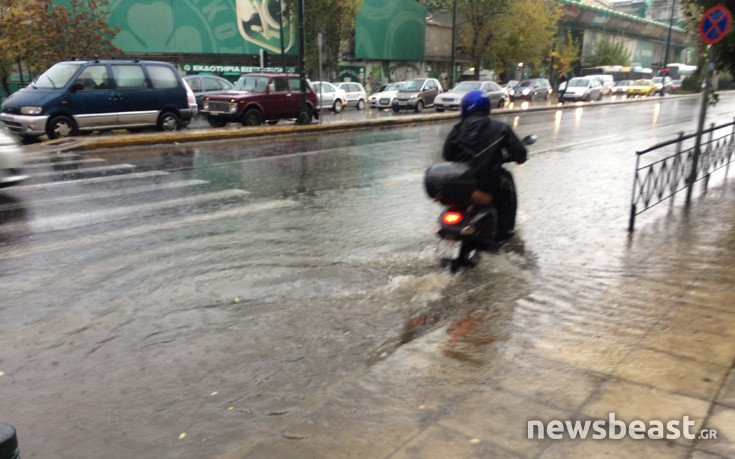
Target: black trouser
(505,200)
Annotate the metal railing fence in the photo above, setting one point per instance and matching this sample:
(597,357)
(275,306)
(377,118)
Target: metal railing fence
(662,178)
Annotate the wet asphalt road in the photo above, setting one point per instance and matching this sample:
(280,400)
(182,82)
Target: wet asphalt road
(179,301)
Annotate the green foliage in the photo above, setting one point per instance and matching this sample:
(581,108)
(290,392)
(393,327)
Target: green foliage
(80,30)
(608,53)
(565,54)
(691,84)
(525,35)
(335,20)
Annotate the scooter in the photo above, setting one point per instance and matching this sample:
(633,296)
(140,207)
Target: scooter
(464,229)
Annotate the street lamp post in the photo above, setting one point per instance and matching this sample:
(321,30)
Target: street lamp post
(668,38)
(668,44)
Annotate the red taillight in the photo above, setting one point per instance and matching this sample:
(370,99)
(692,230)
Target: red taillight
(452,218)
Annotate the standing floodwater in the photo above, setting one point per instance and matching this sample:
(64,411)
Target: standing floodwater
(282,297)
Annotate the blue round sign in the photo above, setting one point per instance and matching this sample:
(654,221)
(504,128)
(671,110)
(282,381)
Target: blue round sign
(715,24)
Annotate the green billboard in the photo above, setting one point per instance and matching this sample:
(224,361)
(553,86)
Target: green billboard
(200,26)
(391,30)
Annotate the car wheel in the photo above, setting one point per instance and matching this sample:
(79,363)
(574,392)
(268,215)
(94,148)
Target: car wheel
(216,122)
(338,106)
(361,104)
(272,122)
(252,117)
(546,96)
(61,126)
(599,98)
(501,103)
(168,122)
(419,106)
(396,109)
(438,109)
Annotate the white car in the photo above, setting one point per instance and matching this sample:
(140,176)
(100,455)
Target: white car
(384,98)
(356,94)
(11,160)
(330,96)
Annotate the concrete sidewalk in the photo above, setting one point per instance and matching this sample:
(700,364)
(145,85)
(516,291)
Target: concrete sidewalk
(657,346)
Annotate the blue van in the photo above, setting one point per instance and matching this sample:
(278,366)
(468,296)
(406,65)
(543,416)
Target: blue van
(83,96)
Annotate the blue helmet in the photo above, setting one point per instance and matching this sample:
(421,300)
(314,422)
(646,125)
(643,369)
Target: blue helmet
(473,101)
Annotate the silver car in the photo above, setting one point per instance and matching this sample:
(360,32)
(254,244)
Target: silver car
(451,99)
(207,85)
(11,160)
(356,94)
(330,96)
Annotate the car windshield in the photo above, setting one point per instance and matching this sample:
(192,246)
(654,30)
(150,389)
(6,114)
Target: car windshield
(578,82)
(466,86)
(251,83)
(624,83)
(413,85)
(658,80)
(323,87)
(527,83)
(57,76)
(642,82)
(394,86)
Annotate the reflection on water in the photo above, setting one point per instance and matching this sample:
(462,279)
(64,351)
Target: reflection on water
(12,211)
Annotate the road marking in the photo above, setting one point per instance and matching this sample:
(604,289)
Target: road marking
(105,194)
(107,178)
(89,239)
(113,167)
(74,162)
(75,220)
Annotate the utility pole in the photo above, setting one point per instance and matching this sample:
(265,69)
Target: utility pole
(280,24)
(454,39)
(304,115)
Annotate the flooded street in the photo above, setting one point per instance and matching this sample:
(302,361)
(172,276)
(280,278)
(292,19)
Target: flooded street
(282,298)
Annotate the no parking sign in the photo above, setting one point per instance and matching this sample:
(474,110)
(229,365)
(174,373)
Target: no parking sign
(715,24)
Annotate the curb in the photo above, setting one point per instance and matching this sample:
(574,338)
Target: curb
(214,134)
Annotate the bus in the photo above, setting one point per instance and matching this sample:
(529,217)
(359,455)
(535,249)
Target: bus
(619,72)
(680,71)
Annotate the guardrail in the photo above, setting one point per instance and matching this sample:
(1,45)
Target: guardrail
(662,178)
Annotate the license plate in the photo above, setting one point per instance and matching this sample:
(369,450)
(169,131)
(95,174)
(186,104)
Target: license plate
(402,103)
(448,249)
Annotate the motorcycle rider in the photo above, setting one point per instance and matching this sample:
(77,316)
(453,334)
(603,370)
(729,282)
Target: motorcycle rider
(486,144)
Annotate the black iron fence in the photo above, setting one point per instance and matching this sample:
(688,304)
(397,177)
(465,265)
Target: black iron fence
(695,158)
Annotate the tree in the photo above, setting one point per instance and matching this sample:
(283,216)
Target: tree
(77,30)
(525,36)
(565,54)
(334,19)
(608,52)
(499,33)
(17,38)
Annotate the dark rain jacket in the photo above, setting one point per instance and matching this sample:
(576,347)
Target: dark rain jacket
(485,144)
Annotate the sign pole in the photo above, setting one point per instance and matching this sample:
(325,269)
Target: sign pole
(713,27)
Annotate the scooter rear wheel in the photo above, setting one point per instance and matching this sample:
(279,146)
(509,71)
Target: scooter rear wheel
(468,256)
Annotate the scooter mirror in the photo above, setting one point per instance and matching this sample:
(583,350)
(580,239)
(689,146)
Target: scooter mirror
(530,139)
